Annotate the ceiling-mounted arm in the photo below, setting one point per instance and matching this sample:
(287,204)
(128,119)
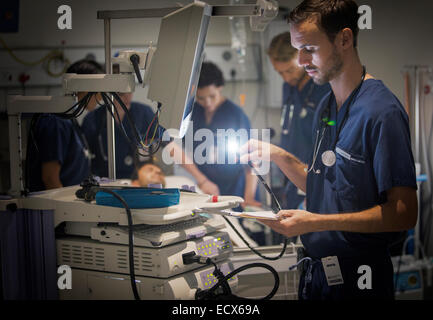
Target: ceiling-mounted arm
(262,10)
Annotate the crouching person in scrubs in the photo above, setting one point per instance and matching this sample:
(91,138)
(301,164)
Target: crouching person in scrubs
(360,181)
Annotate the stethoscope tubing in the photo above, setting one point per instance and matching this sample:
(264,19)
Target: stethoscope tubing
(326,125)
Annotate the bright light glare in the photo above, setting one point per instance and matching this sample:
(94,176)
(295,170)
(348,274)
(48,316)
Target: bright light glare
(232,146)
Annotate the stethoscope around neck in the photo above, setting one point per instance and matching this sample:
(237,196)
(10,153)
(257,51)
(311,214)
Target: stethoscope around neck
(328,157)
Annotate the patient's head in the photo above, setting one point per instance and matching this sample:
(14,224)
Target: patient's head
(148,173)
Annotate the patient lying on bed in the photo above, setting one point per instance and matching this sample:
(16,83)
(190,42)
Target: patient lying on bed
(148,174)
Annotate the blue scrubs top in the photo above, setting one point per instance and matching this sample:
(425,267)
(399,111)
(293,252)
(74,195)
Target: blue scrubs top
(95,129)
(57,140)
(230,178)
(373,155)
(296,132)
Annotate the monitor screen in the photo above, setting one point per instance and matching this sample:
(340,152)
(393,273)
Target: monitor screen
(175,67)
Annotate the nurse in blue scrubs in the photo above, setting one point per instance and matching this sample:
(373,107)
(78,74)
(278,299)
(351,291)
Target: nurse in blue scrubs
(360,181)
(59,156)
(300,99)
(213,111)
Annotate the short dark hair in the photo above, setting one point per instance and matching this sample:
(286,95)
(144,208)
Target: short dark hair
(85,66)
(280,49)
(140,165)
(210,74)
(333,16)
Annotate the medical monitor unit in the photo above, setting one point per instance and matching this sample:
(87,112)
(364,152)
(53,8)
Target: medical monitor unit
(176,64)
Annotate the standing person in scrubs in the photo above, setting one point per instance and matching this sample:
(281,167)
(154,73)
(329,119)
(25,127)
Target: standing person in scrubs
(213,111)
(300,99)
(360,181)
(60,156)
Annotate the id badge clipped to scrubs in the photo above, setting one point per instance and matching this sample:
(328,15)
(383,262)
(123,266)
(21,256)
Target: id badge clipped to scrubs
(332,270)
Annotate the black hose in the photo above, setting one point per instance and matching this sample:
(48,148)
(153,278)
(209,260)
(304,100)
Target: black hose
(278,208)
(254,250)
(223,281)
(130,239)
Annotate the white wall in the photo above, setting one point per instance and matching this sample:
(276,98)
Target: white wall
(401,35)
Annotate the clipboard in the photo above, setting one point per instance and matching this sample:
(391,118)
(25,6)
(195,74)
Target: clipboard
(260,215)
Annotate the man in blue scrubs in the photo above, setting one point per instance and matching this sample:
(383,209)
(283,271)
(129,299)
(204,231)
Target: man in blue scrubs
(300,99)
(58,157)
(213,111)
(360,181)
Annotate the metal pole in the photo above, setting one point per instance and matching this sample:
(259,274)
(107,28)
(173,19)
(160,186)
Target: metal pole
(111,148)
(417,157)
(16,158)
(417,111)
(217,11)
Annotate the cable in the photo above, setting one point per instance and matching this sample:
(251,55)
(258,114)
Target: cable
(26,63)
(119,123)
(135,131)
(268,189)
(297,263)
(211,294)
(48,58)
(31,140)
(58,56)
(136,141)
(139,143)
(250,266)
(89,191)
(254,250)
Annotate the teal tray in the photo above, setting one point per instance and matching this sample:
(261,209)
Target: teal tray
(140,198)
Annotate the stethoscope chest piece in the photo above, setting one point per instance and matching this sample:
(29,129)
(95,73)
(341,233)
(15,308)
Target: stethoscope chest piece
(329,158)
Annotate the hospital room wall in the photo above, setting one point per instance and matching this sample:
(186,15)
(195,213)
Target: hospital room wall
(400,36)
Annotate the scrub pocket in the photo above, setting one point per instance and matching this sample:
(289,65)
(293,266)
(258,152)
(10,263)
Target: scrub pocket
(349,174)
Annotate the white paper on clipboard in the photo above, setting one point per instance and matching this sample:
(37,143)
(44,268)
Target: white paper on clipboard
(261,215)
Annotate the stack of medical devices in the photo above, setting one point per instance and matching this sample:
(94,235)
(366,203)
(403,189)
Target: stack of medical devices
(171,245)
